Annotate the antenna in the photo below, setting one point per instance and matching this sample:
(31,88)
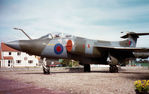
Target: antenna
(23,32)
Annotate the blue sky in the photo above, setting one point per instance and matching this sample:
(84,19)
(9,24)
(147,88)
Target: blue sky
(94,19)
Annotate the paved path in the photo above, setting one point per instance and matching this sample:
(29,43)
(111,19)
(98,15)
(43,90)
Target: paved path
(62,81)
(15,87)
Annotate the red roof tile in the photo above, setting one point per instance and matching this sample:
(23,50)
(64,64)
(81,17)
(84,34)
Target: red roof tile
(0,55)
(4,47)
(8,57)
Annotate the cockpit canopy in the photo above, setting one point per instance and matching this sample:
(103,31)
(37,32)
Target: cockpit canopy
(55,35)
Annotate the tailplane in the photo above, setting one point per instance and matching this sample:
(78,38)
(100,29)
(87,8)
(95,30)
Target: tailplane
(132,38)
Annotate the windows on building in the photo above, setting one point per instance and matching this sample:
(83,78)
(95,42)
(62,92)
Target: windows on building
(30,61)
(9,62)
(18,53)
(18,61)
(9,53)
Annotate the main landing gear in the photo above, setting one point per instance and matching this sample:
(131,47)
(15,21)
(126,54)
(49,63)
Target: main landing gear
(113,69)
(113,62)
(87,68)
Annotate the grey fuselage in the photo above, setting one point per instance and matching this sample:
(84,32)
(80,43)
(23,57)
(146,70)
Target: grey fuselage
(76,48)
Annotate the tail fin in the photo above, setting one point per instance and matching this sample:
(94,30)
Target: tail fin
(132,38)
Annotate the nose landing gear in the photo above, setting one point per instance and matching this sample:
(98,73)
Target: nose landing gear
(46,67)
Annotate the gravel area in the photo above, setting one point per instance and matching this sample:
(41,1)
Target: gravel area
(61,81)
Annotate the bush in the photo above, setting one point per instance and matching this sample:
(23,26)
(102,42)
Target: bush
(142,87)
(69,63)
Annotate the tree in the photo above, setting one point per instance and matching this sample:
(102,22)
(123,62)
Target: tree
(70,63)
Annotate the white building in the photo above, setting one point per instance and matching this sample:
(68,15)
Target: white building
(12,58)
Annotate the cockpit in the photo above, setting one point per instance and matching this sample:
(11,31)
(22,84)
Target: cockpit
(55,35)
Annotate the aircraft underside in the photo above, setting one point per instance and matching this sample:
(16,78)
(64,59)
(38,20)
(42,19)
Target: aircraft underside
(90,60)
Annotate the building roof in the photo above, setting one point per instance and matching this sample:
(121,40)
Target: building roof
(4,47)
(0,55)
(8,57)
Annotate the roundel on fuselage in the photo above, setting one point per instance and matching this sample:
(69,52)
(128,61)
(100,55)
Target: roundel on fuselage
(69,45)
(58,48)
(130,43)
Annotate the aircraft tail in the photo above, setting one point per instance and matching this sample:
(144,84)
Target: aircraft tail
(132,38)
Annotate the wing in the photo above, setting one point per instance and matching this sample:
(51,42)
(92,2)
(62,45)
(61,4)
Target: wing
(122,52)
(131,49)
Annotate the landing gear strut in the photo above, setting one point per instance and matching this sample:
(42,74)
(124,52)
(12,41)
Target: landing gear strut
(46,67)
(87,68)
(46,70)
(113,62)
(113,69)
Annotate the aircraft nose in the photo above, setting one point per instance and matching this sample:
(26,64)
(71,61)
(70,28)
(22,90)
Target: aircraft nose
(14,44)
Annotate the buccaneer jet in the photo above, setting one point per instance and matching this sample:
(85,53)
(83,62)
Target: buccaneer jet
(86,51)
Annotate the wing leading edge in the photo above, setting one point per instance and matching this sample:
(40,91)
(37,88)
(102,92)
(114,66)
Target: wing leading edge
(130,49)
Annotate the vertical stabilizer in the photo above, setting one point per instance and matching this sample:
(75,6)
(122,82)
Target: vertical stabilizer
(132,38)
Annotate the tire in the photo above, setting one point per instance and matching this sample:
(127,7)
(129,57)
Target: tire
(46,71)
(113,69)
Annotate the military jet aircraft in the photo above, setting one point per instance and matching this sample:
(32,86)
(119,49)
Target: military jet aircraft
(86,51)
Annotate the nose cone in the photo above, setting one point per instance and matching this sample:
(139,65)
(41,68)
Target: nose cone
(14,44)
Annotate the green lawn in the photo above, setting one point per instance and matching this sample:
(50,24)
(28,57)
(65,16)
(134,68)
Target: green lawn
(142,64)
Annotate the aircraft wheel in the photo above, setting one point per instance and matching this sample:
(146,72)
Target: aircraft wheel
(113,69)
(46,71)
(87,68)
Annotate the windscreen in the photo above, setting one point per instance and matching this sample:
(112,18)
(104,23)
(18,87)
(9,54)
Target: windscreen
(55,35)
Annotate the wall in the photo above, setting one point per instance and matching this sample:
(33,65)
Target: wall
(23,57)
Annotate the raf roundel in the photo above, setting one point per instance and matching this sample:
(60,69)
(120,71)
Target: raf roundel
(69,45)
(58,48)
(130,43)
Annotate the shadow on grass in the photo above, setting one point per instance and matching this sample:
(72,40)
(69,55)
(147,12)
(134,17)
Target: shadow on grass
(137,75)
